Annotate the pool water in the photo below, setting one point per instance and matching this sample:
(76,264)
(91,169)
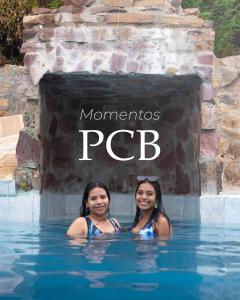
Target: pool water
(198,262)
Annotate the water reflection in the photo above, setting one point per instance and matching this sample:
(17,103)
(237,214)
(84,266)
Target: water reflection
(96,278)
(16,240)
(148,251)
(93,249)
(124,266)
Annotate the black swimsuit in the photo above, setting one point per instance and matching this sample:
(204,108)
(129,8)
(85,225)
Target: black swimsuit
(93,230)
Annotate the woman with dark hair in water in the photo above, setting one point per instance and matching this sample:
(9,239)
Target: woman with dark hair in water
(151,218)
(94,213)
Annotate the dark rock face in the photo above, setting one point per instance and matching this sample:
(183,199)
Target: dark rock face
(109,103)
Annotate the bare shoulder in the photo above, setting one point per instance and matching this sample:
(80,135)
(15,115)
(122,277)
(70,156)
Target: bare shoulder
(78,226)
(162,226)
(79,220)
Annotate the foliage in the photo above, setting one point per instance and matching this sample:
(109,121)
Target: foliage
(50,3)
(11,16)
(53,4)
(225,15)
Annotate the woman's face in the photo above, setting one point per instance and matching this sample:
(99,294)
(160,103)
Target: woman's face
(98,202)
(145,196)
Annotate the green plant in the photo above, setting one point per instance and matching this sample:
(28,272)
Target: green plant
(54,4)
(225,15)
(11,16)
(12,13)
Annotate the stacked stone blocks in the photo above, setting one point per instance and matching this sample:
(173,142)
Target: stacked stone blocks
(145,36)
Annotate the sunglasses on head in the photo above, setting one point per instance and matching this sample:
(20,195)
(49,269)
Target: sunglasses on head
(148,178)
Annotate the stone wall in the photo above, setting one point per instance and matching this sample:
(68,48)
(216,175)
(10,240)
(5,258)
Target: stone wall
(140,37)
(173,99)
(9,130)
(227,83)
(18,95)
(16,90)
(12,90)
(127,36)
(222,114)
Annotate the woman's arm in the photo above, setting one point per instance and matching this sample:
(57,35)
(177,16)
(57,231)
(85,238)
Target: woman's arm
(78,226)
(162,226)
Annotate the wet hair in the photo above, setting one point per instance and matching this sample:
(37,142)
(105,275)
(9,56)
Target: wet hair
(157,211)
(91,185)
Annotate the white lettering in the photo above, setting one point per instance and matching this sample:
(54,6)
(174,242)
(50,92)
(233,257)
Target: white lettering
(85,142)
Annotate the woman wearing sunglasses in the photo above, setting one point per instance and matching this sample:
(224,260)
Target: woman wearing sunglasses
(150,218)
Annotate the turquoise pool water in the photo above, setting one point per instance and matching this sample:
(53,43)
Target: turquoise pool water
(40,262)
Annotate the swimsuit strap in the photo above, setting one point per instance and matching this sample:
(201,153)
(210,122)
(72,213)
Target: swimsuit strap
(149,224)
(114,224)
(89,221)
(92,228)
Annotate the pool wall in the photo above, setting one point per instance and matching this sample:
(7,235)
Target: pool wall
(34,208)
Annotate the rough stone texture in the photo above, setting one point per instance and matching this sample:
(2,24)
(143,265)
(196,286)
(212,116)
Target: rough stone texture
(8,161)
(146,3)
(9,130)
(94,37)
(177,165)
(226,72)
(30,21)
(130,48)
(118,3)
(69,9)
(209,141)
(28,34)
(41,10)
(208,116)
(126,40)
(77,3)
(15,89)
(178,43)
(182,184)
(28,150)
(11,125)
(208,176)
(227,82)
(129,18)
(192,11)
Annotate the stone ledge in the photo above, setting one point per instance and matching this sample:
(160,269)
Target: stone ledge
(129,18)
(30,21)
(215,209)
(192,11)
(132,16)
(118,3)
(220,209)
(69,9)
(78,3)
(24,207)
(8,161)
(7,187)
(104,9)
(163,19)
(41,10)
(10,125)
(149,3)
(179,21)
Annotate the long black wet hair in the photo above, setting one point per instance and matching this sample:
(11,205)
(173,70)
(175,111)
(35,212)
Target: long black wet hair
(84,211)
(158,210)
